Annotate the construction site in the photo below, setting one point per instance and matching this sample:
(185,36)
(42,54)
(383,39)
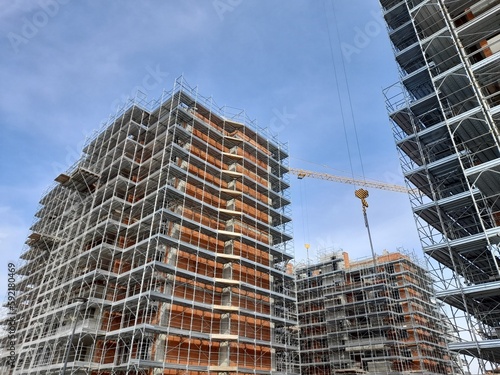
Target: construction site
(374,315)
(164,250)
(445,118)
(168,247)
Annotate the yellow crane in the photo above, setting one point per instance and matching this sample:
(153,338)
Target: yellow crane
(361,193)
(301,173)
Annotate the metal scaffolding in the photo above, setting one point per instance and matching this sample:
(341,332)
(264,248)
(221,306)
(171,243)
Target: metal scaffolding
(445,114)
(164,250)
(375,316)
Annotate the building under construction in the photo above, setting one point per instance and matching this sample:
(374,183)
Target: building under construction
(164,250)
(370,317)
(446,118)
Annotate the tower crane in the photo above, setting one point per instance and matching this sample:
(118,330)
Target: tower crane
(301,173)
(360,193)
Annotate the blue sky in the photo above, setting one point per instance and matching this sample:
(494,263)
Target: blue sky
(68,64)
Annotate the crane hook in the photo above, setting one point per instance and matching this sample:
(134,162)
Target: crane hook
(362,194)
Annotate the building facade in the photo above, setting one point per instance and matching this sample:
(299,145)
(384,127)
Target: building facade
(164,250)
(359,317)
(446,118)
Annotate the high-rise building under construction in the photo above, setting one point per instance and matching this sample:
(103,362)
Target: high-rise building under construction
(369,317)
(164,250)
(446,115)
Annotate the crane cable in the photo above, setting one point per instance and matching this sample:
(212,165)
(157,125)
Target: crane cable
(349,100)
(362,194)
